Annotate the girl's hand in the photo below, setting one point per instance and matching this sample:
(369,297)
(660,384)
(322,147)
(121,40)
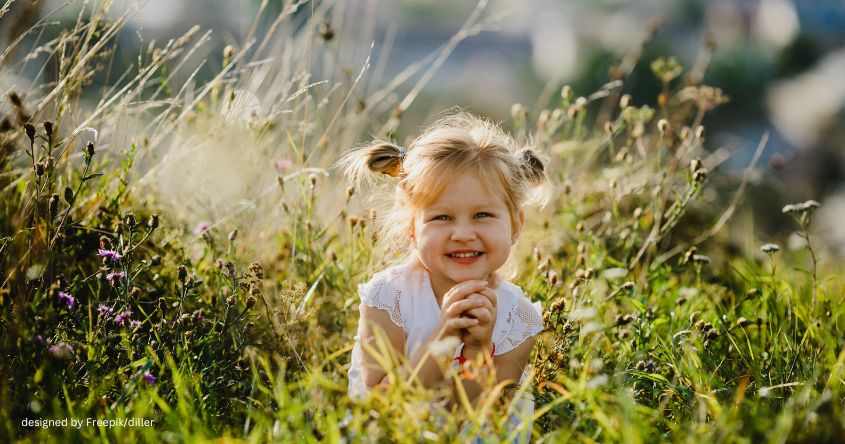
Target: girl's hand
(479,337)
(456,303)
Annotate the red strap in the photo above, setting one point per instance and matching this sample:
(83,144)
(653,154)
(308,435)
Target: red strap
(462,359)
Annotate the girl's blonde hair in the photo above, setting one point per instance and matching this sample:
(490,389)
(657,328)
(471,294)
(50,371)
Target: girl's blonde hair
(452,146)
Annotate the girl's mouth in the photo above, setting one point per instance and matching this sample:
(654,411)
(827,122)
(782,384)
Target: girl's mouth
(465,257)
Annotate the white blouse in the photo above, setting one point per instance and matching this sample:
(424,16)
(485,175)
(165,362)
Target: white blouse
(405,292)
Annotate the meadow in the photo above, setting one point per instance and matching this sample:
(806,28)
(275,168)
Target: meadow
(181,251)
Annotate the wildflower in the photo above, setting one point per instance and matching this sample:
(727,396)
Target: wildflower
(770,248)
(283,165)
(701,259)
(228,52)
(742,322)
(153,222)
(67,299)
(801,208)
(326,32)
(149,378)
(61,350)
(695,165)
(182,273)
(122,317)
(30,131)
(156,260)
(114,276)
(111,255)
(53,205)
(700,175)
(201,228)
(134,292)
(105,310)
(134,324)
(662,125)
(89,152)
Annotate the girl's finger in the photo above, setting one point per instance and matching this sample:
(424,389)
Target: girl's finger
(462,290)
(457,308)
(482,314)
(490,294)
(459,323)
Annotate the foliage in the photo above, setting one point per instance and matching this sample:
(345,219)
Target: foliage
(111,307)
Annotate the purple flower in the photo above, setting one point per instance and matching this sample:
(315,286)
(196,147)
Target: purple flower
(61,350)
(111,255)
(114,276)
(201,228)
(122,317)
(104,310)
(67,299)
(149,377)
(134,324)
(283,165)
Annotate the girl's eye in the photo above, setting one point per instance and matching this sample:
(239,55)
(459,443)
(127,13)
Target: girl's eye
(482,214)
(441,217)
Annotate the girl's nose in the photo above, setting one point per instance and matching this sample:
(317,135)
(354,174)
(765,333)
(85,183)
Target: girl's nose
(463,232)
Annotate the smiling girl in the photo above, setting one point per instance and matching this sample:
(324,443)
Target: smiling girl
(457,209)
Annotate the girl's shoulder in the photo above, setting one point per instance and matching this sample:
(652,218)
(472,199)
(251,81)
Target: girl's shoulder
(517,317)
(387,291)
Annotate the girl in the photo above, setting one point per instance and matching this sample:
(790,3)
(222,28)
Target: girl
(457,209)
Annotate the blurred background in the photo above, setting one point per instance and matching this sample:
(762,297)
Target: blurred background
(781,62)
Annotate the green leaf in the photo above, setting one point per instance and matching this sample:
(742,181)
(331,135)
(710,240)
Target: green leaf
(91,176)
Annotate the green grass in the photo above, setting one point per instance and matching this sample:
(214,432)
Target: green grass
(656,331)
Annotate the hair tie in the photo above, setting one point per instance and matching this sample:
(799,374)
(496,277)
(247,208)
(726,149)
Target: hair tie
(401,155)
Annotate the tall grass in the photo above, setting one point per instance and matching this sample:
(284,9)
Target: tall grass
(178,250)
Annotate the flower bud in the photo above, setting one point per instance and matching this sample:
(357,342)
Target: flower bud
(30,132)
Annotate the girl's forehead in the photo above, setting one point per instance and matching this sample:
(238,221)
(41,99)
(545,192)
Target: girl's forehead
(468,190)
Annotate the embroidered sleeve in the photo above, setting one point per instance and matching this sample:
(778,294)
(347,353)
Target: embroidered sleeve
(383,293)
(524,321)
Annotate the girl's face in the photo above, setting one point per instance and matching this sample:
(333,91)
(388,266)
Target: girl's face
(465,234)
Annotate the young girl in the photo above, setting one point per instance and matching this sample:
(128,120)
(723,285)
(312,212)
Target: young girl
(457,209)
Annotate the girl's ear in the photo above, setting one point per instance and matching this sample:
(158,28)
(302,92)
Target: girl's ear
(518,222)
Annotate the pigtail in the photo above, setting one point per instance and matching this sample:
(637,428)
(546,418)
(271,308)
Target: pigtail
(533,169)
(367,163)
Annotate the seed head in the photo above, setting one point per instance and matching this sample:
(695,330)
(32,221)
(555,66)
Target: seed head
(156,260)
(742,322)
(153,222)
(182,273)
(30,132)
(312,178)
(350,191)
(228,52)
(662,125)
(48,128)
(566,92)
(130,220)
(53,205)
(250,302)
(134,292)
(628,285)
(699,175)
(39,169)
(695,165)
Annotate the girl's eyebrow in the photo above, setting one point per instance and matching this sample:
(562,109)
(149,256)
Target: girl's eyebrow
(481,206)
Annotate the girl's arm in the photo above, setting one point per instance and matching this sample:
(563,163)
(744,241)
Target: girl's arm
(377,323)
(509,367)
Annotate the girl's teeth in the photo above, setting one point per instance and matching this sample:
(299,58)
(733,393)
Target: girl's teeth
(465,254)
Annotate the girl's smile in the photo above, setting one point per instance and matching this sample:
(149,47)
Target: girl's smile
(465,234)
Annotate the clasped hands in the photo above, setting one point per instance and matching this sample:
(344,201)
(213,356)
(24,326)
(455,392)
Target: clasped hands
(468,312)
